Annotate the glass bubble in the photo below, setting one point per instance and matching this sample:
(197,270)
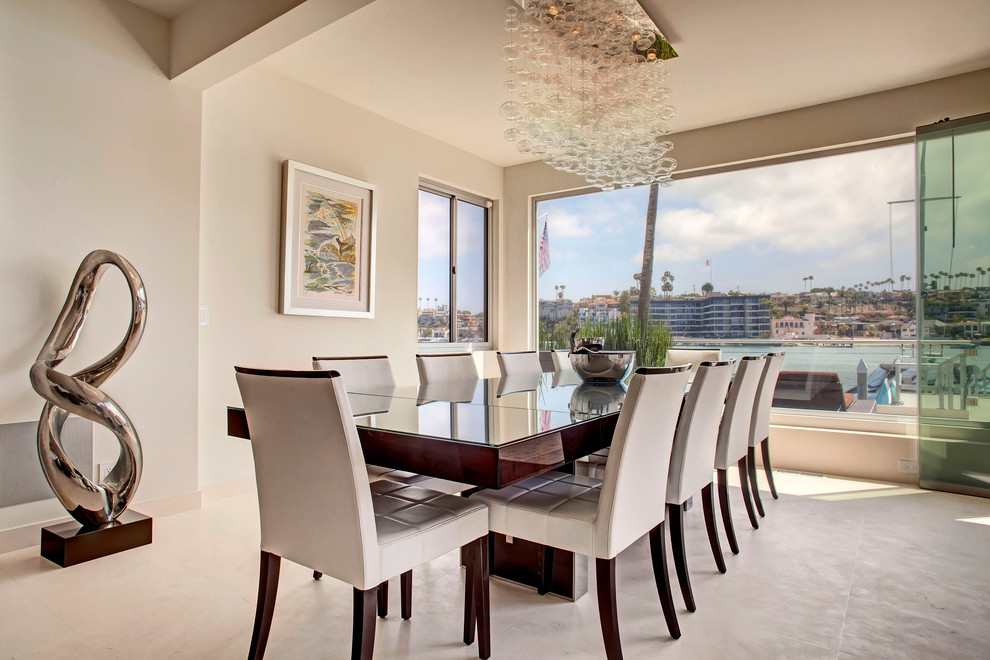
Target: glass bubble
(512,134)
(510,110)
(512,11)
(524,146)
(510,52)
(511,24)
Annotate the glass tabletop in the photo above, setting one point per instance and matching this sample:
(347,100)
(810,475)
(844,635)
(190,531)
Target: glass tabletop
(494,411)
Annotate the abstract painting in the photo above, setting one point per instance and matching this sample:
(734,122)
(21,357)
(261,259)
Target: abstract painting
(327,243)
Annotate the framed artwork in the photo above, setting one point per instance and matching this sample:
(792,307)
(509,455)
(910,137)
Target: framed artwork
(328,243)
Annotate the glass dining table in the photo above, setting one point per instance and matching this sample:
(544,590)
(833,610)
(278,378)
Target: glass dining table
(488,433)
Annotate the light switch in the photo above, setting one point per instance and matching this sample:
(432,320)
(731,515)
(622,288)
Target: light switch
(204,315)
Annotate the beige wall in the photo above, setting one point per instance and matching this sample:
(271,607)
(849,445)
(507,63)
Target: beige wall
(251,123)
(99,150)
(865,118)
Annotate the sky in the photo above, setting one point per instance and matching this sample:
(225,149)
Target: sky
(763,229)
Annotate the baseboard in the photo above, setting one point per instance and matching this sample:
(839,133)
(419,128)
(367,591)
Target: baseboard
(224,489)
(19,538)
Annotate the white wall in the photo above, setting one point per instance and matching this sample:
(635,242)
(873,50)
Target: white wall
(251,123)
(99,150)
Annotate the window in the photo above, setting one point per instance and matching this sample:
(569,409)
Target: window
(453,266)
(815,258)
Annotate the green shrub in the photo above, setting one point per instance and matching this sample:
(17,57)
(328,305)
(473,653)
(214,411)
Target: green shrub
(621,334)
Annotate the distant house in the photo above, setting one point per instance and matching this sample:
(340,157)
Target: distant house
(792,327)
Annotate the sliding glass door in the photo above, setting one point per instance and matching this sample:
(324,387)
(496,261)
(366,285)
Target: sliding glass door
(952,378)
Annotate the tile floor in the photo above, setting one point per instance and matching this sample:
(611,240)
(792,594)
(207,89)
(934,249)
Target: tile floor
(839,569)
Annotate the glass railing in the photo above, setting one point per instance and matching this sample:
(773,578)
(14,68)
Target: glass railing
(824,375)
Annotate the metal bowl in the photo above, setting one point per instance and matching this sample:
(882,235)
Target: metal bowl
(603,366)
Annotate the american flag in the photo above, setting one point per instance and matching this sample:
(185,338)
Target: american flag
(543,259)
(544,420)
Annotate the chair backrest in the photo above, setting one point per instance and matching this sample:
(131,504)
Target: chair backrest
(694,356)
(561,361)
(737,418)
(313,492)
(635,482)
(518,363)
(760,429)
(446,366)
(360,372)
(693,455)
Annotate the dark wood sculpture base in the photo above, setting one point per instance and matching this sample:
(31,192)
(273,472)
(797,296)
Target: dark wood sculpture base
(70,543)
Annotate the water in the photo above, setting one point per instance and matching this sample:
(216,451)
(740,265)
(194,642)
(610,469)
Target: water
(839,359)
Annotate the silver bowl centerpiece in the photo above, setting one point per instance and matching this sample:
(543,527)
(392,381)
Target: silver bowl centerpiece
(595,365)
(603,366)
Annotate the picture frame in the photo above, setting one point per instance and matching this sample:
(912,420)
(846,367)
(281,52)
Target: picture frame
(328,243)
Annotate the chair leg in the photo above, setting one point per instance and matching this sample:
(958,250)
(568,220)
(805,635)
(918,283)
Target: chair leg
(481,597)
(753,484)
(363,631)
(546,570)
(675,517)
(708,504)
(405,587)
(267,589)
(317,575)
(383,599)
(659,555)
(765,447)
(744,486)
(470,615)
(607,611)
(723,500)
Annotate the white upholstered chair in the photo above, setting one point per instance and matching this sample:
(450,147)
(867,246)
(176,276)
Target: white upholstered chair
(373,372)
(602,518)
(694,356)
(733,440)
(561,361)
(318,509)
(446,366)
(692,461)
(360,372)
(519,363)
(759,435)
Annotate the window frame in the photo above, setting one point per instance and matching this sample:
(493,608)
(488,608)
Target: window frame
(455,195)
(814,419)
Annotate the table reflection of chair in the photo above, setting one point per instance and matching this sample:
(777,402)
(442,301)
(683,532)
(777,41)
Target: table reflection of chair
(317,507)
(602,518)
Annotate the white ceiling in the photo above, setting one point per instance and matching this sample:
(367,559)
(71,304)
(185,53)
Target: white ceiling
(433,65)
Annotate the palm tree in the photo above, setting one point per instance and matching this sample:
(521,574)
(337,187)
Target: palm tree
(646,280)
(805,280)
(707,288)
(811,281)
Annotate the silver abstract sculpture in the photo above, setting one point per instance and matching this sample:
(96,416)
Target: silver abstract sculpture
(92,504)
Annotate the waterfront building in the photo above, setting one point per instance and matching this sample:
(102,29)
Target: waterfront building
(714,316)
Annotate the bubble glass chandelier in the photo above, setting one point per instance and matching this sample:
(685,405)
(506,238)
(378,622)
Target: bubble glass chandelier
(587,94)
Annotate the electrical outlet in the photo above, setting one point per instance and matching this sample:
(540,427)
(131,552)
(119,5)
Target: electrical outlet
(972,401)
(105,470)
(909,466)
